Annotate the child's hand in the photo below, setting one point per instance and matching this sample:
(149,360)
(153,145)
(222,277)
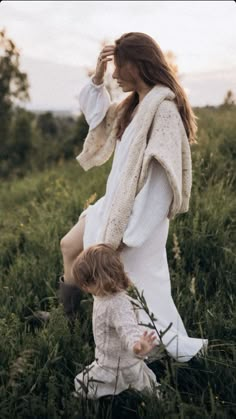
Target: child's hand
(145,344)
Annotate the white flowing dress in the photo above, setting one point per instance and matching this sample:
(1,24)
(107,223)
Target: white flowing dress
(144,256)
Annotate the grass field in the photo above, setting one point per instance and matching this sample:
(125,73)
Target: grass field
(40,359)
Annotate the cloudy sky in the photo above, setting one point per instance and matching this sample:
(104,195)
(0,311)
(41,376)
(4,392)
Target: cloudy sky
(58,40)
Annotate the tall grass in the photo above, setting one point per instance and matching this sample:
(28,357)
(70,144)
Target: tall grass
(40,359)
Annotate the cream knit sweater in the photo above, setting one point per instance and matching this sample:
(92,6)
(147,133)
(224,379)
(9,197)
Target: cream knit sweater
(115,330)
(160,134)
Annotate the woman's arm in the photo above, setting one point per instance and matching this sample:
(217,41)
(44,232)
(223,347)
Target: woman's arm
(94,102)
(150,208)
(101,116)
(93,98)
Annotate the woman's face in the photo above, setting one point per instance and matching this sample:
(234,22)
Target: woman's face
(125,77)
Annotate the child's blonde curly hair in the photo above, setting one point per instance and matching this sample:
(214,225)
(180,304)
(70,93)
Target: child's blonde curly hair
(100,267)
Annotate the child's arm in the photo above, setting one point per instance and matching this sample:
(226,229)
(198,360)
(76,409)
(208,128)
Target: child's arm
(125,322)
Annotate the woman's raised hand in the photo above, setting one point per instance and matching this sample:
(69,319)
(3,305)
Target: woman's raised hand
(105,55)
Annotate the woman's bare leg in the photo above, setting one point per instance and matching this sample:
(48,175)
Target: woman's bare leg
(71,246)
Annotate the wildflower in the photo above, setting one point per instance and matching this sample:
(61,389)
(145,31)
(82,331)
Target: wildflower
(90,200)
(192,286)
(176,248)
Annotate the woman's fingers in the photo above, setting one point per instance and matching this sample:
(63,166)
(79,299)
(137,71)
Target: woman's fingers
(108,48)
(106,51)
(103,57)
(105,60)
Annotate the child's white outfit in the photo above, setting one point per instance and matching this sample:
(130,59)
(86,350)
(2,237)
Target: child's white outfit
(144,257)
(116,367)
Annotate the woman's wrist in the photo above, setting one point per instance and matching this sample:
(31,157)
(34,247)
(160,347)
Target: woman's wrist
(97,81)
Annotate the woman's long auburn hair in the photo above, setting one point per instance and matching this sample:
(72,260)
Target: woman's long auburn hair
(142,51)
(100,267)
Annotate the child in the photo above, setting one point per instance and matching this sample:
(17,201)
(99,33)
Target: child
(120,345)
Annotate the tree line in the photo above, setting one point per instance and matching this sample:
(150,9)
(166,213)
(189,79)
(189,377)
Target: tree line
(30,140)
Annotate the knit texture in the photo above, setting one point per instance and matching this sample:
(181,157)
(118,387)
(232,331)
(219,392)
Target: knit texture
(159,134)
(115,331)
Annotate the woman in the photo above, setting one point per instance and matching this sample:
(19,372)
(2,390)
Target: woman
(150,180)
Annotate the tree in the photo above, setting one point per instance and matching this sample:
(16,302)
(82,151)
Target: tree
(47,124)
(229,99)
(171,60)
(80,131)
(21,138)
(13,85)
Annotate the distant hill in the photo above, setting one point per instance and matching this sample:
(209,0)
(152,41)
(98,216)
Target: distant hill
(209,87)
(53,86)
(59,112)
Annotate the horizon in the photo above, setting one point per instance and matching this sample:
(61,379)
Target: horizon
(56,51)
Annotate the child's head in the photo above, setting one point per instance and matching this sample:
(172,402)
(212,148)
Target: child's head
(99,270)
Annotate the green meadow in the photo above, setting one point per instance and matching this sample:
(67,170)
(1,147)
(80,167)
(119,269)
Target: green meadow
(40,358)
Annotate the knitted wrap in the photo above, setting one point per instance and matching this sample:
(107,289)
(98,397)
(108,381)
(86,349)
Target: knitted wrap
(159,134)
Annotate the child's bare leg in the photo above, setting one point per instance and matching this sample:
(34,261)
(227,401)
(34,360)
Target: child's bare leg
(71,246)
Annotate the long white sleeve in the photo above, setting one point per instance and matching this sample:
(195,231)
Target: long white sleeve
(125,322)
(94,102)
(150,208)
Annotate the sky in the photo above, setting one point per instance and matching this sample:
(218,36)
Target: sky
(58,40)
